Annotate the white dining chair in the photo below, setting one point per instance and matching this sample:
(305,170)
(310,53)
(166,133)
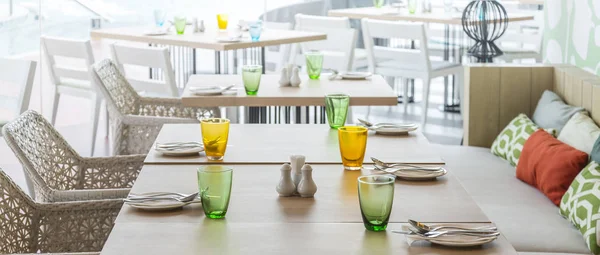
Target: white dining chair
(406,63)
(68,64)
(523,40)
(339,47)
(16,79)
(277,56)
(153,57)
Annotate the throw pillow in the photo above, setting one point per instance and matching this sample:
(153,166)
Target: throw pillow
(550,165)
(595,155)
(580,132)
(581,204)
(552,112)
(509,143)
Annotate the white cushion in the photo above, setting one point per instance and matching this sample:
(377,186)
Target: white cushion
(511,204)
(580,132)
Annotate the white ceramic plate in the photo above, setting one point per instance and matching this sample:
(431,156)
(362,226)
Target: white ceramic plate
(155,32)
(400,130)
(420,175)
(453,240)
(180,152)
(206,91)
(160,205)
(229,39)
(355,75)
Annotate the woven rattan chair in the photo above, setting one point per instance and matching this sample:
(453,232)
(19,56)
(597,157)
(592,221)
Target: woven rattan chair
(57,173)
(29,227)
(135,120)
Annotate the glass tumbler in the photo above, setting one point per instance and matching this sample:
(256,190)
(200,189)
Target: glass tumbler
(412,6)
(336,107)
(215,133)
(378,3)
(251,77)
(376,197)
(255,29)
(214,184)
(180,23)
(159,17)
(222,20)
(314,64)
(353,144)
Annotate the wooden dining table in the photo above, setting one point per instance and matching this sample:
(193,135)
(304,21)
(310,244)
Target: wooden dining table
(297,102)
(259,221)
(273,144)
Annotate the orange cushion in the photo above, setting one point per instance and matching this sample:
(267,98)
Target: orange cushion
(549,164)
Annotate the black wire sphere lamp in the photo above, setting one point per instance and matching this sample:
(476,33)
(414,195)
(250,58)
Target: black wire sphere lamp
(484,21)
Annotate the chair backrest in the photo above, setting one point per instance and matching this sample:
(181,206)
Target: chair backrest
(338,48)
(47,159)
(18,213)
(525,34)
(148,57)
(120,96)
(19,73)
(277,56)
(67,59)
(374,29)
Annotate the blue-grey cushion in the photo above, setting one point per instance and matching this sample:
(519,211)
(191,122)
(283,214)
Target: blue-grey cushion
(595,155)
(552,112)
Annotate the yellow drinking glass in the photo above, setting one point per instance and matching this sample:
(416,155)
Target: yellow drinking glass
(215,133)
(222,20)
(353,143)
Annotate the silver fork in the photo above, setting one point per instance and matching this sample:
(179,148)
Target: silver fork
(183,199)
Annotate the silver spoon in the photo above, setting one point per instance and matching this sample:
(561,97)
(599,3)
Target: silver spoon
(462,232)
(389,165)
(227,88)
(421,229)
(183,199)
(427,228)
(393,170)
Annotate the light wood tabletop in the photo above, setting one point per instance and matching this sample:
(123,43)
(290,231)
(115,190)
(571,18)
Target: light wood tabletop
(401,14)
(224,237)
(535,2)
(373,91)
(273,144)
(254,199)
(207,39)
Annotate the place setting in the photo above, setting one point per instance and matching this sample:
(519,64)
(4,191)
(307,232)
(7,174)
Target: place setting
(161,201)
(179,149)
(452,235)
(408,172)
(389,128)
(213,90)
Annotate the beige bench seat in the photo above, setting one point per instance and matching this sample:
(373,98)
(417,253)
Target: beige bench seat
(528,219)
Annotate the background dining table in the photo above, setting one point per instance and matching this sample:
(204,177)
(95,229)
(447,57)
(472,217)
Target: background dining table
(373,91)
(273,144)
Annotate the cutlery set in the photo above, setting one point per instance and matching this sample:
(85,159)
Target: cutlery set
(158,201)
(427,232)
(392,168)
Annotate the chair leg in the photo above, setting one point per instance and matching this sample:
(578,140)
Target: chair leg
(426,84)
(55,107)
(459,84)
(405,84)
(107,120)
(97,103)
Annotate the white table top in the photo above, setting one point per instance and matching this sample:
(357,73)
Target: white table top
(273,144)
(208,39)
(254,199)
(223,237)
(396,14)
(536,2)
(373,91)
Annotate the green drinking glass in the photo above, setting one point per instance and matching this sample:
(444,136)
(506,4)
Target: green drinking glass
(376,196)
(378,3)
(336,107)
(314,64)
(412,6)
(214,183)
(180,23)
(251,76)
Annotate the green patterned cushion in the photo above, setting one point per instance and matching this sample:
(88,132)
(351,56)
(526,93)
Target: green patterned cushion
(581,204)
(509,143)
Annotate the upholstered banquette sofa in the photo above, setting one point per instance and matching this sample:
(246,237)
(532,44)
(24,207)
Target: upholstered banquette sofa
(492,96)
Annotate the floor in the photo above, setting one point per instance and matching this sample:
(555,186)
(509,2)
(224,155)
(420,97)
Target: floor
(73,120)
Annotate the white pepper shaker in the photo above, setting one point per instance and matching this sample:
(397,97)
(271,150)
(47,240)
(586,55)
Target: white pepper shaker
(295,80)
(286,186)
(297,161)
(307,187)
(195,27)
(284,80)
(201,28)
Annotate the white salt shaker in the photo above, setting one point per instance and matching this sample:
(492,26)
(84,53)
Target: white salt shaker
(284,79)
(297,161)
(195,27)
(307,187)
(201,28)
(295,80)
(286,186)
